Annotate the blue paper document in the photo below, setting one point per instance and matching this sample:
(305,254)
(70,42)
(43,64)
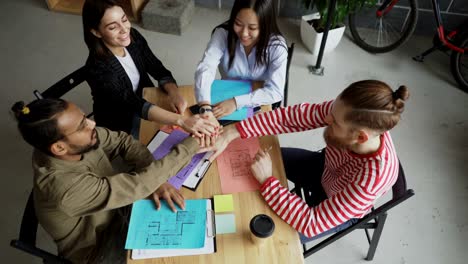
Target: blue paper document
(222,90)
(163,229)
(208,248)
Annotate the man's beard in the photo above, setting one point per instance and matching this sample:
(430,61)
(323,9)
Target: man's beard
(79,150)
(331,140)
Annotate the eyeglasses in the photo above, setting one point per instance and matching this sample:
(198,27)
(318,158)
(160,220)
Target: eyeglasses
(82,126)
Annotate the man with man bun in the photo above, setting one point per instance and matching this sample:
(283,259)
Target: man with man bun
(358,165)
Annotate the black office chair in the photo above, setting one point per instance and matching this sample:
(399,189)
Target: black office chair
(64,85)
(374,220)
(27,236)
(286,83)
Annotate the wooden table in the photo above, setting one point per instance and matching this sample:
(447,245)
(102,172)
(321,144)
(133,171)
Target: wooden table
(283,247)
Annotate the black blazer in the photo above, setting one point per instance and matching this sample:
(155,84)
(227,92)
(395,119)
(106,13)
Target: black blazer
(114,102)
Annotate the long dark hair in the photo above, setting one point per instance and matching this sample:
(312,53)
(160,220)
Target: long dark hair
(37,122)
(266,13)
(374,104)
(93,11)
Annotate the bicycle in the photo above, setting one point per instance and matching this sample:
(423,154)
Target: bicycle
(379,28)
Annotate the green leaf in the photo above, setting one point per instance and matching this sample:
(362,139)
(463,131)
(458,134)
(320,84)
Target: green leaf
(342,9)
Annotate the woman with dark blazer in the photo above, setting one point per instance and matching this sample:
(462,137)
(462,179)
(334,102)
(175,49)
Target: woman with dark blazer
(118,65)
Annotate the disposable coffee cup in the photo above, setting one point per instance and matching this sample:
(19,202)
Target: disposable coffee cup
(261,227)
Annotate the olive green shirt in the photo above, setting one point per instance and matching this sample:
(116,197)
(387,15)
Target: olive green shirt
(74,200)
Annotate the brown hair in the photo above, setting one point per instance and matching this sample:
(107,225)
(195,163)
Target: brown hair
(374,104)
(92,13)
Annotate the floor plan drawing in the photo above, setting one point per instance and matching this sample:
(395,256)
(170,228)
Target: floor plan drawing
(234,166)
(240,163)
(158,229)
(169,230)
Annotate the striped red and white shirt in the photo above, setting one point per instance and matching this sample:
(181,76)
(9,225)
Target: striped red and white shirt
(351,181)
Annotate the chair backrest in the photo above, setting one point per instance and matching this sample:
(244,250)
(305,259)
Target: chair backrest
(288,65)
(29,223)
(63,86)
(286,83)
(399,194)
(27,236)
(399,188)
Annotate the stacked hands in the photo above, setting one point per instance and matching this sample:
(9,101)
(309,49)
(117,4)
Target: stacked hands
(211,136)
(205,127)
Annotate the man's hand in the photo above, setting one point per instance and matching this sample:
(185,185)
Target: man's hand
(262,167)
(224,108)
(167,192)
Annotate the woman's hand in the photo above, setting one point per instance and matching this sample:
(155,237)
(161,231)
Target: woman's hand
(198,126)
(177,102)
(228,134)
(262,167)
(207,141)
(224,108)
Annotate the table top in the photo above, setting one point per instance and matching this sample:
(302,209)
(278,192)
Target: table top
(283,247)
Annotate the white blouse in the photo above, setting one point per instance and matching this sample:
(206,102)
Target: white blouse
(130,68)
(243,68)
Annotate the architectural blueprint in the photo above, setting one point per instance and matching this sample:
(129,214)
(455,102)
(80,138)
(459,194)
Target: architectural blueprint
(159,229)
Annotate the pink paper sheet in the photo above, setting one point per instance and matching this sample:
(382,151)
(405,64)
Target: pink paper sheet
(234,166)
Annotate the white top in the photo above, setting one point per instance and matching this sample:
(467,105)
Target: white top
(243,68)
(130,68)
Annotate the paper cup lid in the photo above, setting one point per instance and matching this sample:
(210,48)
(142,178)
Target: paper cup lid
(262,226)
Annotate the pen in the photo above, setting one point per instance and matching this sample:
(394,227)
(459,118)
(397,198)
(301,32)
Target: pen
(268,149)
(201,171)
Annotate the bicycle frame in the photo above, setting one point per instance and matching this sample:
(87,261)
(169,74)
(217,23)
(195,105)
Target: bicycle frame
(388,5)
(440,29)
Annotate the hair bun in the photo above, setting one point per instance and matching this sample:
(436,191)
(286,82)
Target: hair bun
(401,93)
(399,98)
(17,108)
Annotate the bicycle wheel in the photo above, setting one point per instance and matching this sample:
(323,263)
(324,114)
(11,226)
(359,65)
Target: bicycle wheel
(385,32)
(459,64)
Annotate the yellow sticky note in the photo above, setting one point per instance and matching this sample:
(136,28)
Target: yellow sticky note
(223,203)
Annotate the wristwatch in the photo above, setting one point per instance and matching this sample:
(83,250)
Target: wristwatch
(204,109)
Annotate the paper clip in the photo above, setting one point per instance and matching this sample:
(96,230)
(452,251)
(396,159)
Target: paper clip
(210,215)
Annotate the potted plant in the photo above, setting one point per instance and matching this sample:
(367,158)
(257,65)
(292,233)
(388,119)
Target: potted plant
(312,25)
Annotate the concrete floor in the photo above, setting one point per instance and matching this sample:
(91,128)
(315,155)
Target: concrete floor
(39,47)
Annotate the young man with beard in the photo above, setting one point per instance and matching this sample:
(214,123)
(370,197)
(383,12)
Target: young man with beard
(358,165)
(76,190)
